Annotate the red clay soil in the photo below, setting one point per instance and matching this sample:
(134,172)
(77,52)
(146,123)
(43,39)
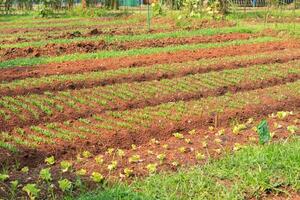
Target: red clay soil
(88,47)
(73,67)
(285,56)
(124,140)
(150,150)
(84,111)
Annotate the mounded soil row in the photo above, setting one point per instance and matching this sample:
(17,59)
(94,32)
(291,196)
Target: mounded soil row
(88,47)
(84,111)
(73,67)
(124,139)
(73,85)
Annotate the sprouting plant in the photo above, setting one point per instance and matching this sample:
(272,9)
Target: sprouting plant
(45,174)
(14,187)
(31,190)
(238,128)
(211,128)
(282,114)
(154,141)
(81,172)
(113,165)
(25,170)
(50,160)
(134,158)
(204,144)
(120,153)
(99,159)
(161,157)
(165,146)
(133,147)
(237,146)
(86,154)
(175,163)
(65,165)
(192,132)
(199,155)
(65,185)
(218,140)
(277,125)
(182,149)
(221,132)
(150,152)
(292,129)
(128,172)
(97,177)
(188,141)
(152,168)
(110,151)
(218,151)
(4,177)
(263,132)
(178,135)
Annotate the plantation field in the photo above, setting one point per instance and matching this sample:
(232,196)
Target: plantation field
(88,102)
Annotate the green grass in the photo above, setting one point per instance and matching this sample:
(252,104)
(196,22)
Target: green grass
(247,173)
(132,52)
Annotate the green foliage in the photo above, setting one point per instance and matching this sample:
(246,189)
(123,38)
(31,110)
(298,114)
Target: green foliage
(32,191)
(65,185)
(263,132)
(50,160)
(4,177)
(45,174)
(97,177)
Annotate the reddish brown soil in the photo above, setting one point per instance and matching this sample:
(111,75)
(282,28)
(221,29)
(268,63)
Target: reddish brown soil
(86,111)
(88,47)
(285,56)
(149,150)
(73,67)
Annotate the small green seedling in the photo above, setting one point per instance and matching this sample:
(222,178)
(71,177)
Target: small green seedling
(4,177)
(65,185)
(32,191)
(128,172)
(161,157)
(199,156)
(292,129)
(50,160)
(86,154)
(192,132)
(97,177)
(99,159)
(25,170)
(238,128)
(112,166)
(120,153)
(65,166)
(152,168)
(263,132)
(178,135)
(81,172)
(45,175)
(134,159)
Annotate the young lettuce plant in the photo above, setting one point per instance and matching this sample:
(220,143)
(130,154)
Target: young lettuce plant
(4,177)
(113,165)
(25,170)
(97,177)
(152,168)
(81,172)
(99,159)
(65,165)
(65,185)
(32,191)
(134,159)
(50,160)
(86,154)
(45,175)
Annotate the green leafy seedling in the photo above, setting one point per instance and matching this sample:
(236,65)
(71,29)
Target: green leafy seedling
(292,129)
(32,191)
(4,177)
(65,185)
(65,166)
(263,132)
(25,170)
(45,174)
(50,160)
(97,177)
